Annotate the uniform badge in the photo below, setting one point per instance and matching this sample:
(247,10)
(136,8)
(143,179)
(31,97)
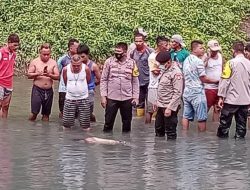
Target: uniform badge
(226,73)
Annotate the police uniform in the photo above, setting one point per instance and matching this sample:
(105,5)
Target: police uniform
(234,88)
(120,84)
(169,97)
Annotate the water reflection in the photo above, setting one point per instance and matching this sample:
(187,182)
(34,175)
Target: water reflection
(43,156)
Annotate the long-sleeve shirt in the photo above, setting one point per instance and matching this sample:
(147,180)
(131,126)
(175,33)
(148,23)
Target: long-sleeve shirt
(234,85)
(119,80)
(170,88)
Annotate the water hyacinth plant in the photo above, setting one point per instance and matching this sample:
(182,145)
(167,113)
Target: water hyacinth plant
(102,23)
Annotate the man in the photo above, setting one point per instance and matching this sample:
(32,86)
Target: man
(234,93)
(213,68)
(168,97)
(247,51)
(132,46)
(178,52)
(43,70)
(7,62)
(194,97)
(83,51)
(140,55)
(119,88)
(63,62)
(76,77)
(247,55)
(163,44)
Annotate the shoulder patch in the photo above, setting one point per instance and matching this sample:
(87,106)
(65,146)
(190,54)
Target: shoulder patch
(135,71)
(226,73)
(178,76)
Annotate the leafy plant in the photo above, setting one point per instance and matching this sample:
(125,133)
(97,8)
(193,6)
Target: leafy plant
(102,23)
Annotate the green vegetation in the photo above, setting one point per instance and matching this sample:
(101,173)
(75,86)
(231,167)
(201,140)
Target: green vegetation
(102,23)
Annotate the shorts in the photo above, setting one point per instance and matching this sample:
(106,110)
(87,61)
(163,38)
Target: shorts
(212,97)
(79,106)
(41,97)
(4,92)
(195,106)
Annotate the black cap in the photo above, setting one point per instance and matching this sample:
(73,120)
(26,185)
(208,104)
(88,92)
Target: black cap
(163,57)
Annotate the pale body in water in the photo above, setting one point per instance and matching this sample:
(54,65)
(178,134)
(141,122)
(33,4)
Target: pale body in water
(95,140)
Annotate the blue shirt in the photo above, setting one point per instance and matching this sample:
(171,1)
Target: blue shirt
(91,84)
(62,62)
(193,69)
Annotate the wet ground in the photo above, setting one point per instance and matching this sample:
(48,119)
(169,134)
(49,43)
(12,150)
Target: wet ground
(43,156)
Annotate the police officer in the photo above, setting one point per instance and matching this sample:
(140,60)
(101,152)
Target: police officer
(168,96)
(119,88)
(234,93)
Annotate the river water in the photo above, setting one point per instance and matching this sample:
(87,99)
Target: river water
(43,156)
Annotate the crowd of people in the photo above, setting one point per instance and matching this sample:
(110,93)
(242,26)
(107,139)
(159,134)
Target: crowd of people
(158,80)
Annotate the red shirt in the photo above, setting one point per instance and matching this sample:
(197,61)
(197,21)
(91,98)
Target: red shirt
(7,62)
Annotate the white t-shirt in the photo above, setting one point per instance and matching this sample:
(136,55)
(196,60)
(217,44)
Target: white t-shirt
(213,71)
(153,79)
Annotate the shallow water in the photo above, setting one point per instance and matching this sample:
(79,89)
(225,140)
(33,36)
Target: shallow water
(43,156)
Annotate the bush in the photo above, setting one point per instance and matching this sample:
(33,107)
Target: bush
(102,23)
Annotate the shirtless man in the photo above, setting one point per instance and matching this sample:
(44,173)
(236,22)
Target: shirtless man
(43,70)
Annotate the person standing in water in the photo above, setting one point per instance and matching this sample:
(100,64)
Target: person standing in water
(76,76)
(63,62)
(168,97)
(83,51)
(155,70)
(43,70)
(7,62)
(234,93)
(119,88)
(178,52)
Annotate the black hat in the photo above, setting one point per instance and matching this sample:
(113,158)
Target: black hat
(163,57)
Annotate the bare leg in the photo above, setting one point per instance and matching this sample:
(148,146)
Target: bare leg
(216,114)
(5,106)
(32,117)
(202,126)
(45,118)
(248,121)
(148,118)
(185,124)
(60,115)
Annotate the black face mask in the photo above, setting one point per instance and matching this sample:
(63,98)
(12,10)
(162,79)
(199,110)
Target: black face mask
(118,56)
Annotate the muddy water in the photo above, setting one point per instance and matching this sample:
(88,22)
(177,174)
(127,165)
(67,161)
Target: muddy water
(43,156)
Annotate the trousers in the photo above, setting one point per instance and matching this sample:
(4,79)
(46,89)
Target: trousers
(111,110)
(227,113)
(165,124)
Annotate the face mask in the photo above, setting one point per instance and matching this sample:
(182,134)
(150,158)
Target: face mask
(118,56)
(162,67)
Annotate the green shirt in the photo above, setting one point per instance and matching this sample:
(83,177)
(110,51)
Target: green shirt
(179,56)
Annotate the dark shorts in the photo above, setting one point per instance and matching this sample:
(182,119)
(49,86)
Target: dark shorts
(41,97)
